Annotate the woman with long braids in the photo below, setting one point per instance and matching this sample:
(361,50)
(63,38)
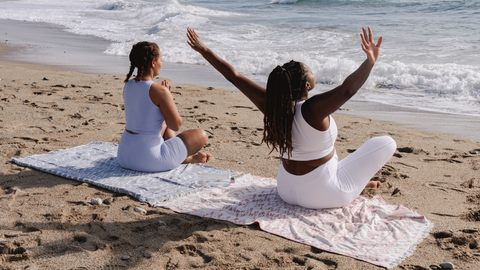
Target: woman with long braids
(149,143)
(304,133)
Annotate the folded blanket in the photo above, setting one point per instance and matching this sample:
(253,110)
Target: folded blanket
(96,163)
(368,230)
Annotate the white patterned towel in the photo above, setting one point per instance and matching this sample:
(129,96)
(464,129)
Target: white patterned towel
(96,163)
(368,230)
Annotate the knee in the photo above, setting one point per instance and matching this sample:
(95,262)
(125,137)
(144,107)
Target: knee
(389,143)
(202,135)
(384,142)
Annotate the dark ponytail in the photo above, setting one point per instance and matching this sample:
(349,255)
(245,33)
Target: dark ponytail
(140,56)
(284,88)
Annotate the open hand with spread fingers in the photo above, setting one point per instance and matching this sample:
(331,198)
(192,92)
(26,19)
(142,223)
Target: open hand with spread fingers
(195,41)
(368,45)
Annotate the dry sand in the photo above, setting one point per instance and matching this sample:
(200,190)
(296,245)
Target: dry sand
(47,222)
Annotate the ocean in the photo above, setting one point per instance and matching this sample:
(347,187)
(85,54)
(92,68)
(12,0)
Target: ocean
(430,56)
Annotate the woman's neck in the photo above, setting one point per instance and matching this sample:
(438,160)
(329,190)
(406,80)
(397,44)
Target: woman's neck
(145,78)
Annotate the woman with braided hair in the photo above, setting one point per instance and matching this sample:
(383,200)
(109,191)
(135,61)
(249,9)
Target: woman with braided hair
(304,133)
(149,143)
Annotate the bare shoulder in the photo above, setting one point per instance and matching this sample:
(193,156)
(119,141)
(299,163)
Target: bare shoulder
(314,116)
(159,93)
(159,88)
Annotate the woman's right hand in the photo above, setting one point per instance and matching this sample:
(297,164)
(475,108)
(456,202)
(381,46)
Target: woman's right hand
(195,41)
(369,47)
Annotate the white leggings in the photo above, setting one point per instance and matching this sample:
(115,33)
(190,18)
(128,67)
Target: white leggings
(336,184)
(150,153)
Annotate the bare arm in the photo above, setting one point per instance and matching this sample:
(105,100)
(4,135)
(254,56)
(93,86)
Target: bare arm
(250,89)
(161,96)
(322,105)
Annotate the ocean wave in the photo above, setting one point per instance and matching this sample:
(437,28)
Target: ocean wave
(283,1)
(115,6)
(255,37)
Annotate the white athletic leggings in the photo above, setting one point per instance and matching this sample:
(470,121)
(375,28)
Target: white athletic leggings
(336,184)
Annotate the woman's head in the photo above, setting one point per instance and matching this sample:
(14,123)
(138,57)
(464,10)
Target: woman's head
(141,56)
(286,85)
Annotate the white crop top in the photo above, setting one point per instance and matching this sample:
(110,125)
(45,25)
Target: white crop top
(309,143)
(141,115)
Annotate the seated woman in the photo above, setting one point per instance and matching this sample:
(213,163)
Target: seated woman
(304,132)
(149,143)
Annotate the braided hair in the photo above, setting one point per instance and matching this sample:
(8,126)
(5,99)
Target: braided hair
(140,56)
(284,88)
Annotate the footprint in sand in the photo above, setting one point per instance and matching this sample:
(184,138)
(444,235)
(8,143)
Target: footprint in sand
(46,92)
(60,85)
(191,251)
(55,107)
(205,119)
(464,244)
(27,139)
(247,107)
(94,98)
(472,183)
(445,186)
(238,130)
(449,160)
(412,150)
(11,253)
(75,116)
(206,102)
(387,176)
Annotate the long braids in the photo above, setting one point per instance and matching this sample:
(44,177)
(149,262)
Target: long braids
(284,87)
(140,56)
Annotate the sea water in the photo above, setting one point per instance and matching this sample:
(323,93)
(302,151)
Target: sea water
(429,60)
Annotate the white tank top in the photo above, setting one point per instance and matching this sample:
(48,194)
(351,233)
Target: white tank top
(309,143)
(141,115)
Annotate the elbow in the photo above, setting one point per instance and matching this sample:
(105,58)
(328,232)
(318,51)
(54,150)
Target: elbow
(233,77)
(349,93)
(349,90)
(176,126)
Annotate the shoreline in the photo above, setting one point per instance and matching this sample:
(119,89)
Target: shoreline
(48,221)
(50,45)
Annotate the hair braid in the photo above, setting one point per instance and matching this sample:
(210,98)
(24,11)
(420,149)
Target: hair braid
(132,68)
(140,56)
(284,87)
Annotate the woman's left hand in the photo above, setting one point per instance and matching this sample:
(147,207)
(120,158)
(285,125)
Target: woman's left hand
(167,85)
(369,47)
(195,41)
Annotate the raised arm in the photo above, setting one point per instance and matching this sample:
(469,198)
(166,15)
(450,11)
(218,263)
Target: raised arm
(322,105)
(250,89)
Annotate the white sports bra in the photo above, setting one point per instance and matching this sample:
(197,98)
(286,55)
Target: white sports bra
(309,143)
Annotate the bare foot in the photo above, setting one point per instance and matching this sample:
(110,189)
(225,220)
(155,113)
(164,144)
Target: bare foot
(373,184)
(198,158)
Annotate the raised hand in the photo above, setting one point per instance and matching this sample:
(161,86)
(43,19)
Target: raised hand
(368,45)
(195,41)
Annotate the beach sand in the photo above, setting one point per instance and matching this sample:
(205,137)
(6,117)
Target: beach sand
(47,222)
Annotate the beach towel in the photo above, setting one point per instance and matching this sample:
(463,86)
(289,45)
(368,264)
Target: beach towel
(96,163)
(368,229)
